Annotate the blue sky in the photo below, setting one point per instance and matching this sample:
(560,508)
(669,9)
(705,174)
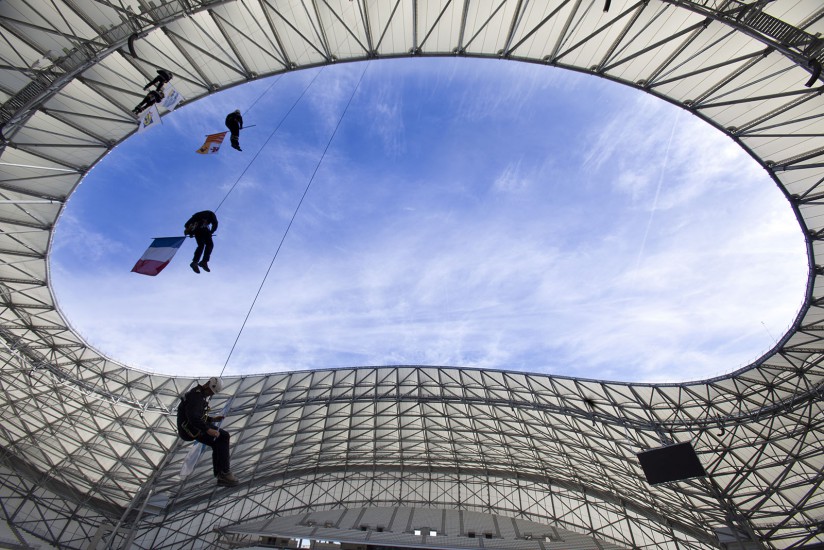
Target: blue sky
(467,212)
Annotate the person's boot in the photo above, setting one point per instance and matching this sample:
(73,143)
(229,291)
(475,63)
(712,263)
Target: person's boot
(205,265)
(227,479)
(194,267)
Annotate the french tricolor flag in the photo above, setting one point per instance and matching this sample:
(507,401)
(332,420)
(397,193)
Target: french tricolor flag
(158,255)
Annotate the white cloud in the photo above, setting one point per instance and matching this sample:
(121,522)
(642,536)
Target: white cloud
(83,243)
(426,238)
(385,111)
(511,179)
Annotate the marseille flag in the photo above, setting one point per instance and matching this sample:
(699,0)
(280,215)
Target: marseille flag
(148,117)
(212,144)
(171,97)
(158,255)
(191,459)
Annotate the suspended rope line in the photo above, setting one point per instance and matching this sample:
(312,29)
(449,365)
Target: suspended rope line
(249,164)
(294,215)
(266,91)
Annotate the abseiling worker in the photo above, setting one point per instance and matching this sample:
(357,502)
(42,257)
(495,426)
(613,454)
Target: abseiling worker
(234,121)
(201,226)
(195,424)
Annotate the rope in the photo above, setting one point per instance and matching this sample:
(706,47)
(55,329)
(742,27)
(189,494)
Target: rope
(229,192)
(294,215)
(266,91)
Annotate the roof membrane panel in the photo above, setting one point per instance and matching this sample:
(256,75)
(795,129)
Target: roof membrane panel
(486,25)
(391,24)
(552,448)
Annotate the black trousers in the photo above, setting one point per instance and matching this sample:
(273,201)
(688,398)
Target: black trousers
(234,128)
(203,237)
(220,450)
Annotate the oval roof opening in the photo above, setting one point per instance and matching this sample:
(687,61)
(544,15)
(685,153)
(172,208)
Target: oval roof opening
(466,212)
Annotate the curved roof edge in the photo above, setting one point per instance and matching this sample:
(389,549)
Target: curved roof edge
(749,68)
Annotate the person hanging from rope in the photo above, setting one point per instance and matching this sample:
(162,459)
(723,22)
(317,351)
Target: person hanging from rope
(163,76)
(154,96)
(201,226)
(234,121)
(195,424)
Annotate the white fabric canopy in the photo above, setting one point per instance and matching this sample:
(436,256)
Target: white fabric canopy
(87,442)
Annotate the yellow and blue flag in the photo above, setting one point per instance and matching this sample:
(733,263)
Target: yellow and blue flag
(212,144)
(148,117)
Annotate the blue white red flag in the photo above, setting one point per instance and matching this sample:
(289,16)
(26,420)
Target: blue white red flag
(158,255)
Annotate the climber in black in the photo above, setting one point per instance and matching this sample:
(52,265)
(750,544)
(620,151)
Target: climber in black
(195,424)
(154,96)
(201,226)
(163,76)
(234,121)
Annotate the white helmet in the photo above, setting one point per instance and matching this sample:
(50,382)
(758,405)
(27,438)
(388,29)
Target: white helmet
(215,384)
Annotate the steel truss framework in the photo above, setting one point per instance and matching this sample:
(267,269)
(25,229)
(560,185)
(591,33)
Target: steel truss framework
(89,445)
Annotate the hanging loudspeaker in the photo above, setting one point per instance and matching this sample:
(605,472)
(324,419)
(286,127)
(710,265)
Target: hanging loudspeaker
(671,463)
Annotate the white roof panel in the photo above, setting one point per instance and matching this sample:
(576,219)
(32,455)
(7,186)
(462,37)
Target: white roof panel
(558,450)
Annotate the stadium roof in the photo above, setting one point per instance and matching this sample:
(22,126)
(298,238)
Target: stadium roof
(89,443)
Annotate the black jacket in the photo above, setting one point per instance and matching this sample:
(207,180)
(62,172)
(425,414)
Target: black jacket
(199,220)
(192,414)
(234,119)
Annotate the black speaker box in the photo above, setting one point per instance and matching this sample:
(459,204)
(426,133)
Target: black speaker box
(671,463)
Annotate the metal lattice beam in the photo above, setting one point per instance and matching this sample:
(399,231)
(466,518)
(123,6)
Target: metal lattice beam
(553,449)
